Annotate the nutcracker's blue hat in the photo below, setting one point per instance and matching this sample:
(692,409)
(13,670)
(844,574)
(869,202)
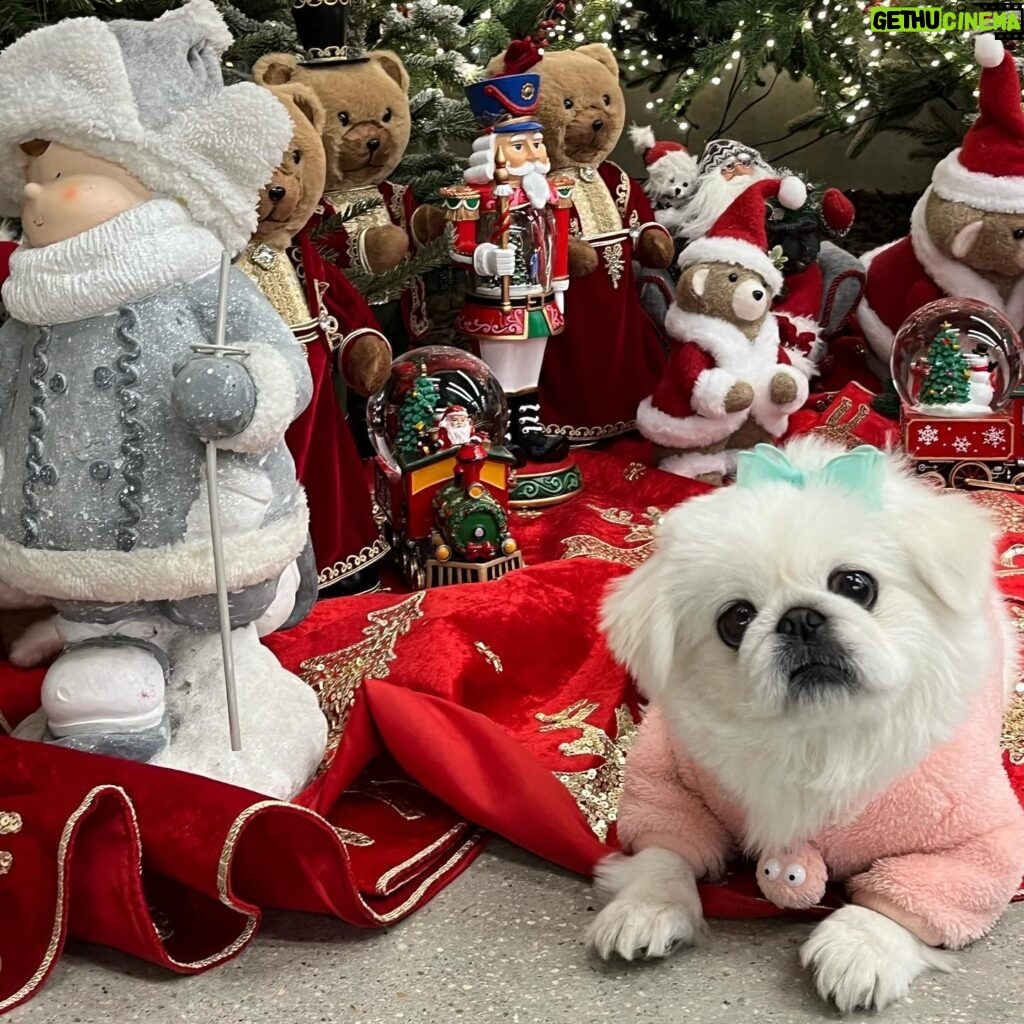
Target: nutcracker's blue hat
(506,103)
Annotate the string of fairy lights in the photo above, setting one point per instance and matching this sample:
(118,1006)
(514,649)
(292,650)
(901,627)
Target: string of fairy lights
(837,28)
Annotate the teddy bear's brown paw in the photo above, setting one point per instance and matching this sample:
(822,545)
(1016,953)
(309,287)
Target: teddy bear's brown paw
(364,359)
(740,396)
(385,247)
(582,258)
(654,249)
(783,389)
(428,223)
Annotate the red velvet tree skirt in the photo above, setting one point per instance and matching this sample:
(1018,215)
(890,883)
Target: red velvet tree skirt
(462,711)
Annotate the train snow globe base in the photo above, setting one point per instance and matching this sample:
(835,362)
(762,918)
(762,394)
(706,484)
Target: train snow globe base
(442,475)
(547,483)
(956,365)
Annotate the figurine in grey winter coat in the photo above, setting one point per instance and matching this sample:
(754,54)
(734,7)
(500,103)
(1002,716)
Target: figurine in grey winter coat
(132,168)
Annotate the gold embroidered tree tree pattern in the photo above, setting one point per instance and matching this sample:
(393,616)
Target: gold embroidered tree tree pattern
(337,677)
(595,790)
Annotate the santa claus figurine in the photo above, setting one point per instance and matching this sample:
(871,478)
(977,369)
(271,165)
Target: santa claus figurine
(728,384)
(455,428)
(967,230)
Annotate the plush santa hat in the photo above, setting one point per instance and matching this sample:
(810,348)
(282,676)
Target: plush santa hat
(644,142)
(739,235)
(987,171)
(837,212)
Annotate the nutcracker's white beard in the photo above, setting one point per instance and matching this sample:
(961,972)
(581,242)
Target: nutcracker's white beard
(458,435)
(533,172)
(710,197)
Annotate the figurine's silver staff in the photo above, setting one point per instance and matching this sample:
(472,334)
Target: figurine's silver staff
(220,348)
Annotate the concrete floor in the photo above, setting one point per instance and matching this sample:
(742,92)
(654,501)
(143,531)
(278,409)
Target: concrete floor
(503,944)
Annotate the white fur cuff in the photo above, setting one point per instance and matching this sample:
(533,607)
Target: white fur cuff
(710,390)
(684,431)
(276,401)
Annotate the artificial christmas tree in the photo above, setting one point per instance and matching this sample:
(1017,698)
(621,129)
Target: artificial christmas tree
(946,377)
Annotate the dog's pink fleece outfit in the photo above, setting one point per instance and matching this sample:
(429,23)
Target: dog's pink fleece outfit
(941,851)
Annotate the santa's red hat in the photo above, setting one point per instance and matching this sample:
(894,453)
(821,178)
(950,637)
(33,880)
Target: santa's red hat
(837,212)
(739,235)
(453,408)
(644,142)
(987,171)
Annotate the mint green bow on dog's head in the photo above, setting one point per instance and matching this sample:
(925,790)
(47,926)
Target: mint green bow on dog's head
(860,472)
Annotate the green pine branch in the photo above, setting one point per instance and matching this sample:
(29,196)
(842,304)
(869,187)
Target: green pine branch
(375,287)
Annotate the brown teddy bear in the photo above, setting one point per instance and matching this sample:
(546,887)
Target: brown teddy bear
(611,352)
(346,540)
(967,230)
(365,134)
(729,383)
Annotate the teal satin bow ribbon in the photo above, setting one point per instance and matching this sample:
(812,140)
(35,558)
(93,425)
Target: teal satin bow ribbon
(859,472)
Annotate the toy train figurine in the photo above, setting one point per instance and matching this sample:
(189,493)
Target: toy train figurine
(446,515)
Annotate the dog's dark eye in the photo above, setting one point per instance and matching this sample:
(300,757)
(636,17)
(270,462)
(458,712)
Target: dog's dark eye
(387,115)
(1018,232)
(733,622)
(607,99)
(859,587)
(567,103)
(343,118)
(734,278)
(297,155)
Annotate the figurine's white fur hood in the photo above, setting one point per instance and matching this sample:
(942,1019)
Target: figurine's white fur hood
(147,96)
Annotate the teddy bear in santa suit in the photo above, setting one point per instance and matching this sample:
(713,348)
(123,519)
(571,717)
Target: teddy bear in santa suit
(967,230)
(729,383)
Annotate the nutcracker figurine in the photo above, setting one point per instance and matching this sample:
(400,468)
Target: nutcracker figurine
(511,233)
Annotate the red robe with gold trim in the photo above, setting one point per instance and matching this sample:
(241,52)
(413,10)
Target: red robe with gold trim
(611,353)
(397,206)
(346,538)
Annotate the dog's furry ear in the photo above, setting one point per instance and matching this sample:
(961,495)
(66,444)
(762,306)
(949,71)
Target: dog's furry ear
(640,626)
(950,540)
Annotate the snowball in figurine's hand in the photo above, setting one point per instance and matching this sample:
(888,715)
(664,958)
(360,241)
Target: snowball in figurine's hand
(214,396)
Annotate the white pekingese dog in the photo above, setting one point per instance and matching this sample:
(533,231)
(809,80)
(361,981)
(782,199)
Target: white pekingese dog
(826,661)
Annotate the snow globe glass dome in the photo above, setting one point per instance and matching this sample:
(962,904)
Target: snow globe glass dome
(956,357)
(436,397)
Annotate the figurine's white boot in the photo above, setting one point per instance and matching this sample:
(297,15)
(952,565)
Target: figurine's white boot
(97,689)
(110,679)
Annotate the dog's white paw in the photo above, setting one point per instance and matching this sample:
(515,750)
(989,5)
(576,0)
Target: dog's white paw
(862,959)
(654,909)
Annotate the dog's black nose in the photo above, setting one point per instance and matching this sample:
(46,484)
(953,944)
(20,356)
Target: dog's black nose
(679,191)
(801,623)
(373,144)
(276,193)
(758,294)
(598,125)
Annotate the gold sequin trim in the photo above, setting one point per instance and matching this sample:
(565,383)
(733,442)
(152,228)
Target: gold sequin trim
(492,659)
(1011,739)
(350,838)
(595,209)
(622,191)
(354,563)
(587,546)
(595,790)
(10,823)
(588,435)
(6,860)
(528,513)
(383,886)
(336,677)
(634,471)
(1005,509)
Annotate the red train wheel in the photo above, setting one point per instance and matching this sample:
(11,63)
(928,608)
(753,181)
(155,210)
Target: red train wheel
(964,471)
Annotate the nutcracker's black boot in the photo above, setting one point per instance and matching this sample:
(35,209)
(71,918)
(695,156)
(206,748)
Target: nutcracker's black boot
(527,434)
